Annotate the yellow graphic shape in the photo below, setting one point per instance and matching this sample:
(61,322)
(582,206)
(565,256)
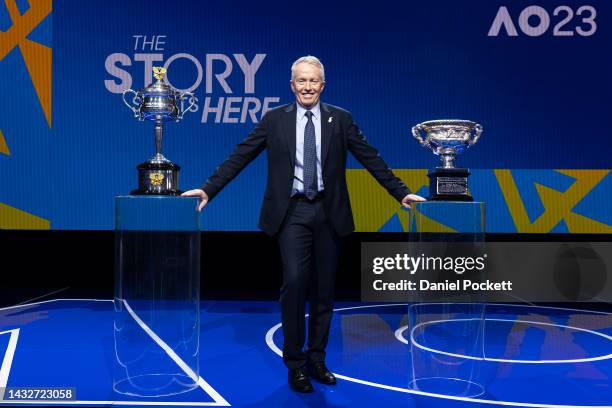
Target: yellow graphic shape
(373,206)
(12,218)
(3,146)
(37,57)
(557,205)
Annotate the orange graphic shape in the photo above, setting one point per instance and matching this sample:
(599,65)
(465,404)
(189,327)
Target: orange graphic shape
(38,61)
(23,25)
(3,146)
(37,57)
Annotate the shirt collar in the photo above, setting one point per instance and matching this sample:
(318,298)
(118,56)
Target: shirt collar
(301,111)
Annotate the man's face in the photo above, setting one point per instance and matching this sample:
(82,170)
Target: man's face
(307,84)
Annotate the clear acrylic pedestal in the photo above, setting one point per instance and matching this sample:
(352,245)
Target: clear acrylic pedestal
(157,295)
(446,334)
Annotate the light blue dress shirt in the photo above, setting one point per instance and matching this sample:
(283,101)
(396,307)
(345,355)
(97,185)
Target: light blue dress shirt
(300,124)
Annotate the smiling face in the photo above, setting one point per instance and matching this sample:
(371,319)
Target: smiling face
(307,84)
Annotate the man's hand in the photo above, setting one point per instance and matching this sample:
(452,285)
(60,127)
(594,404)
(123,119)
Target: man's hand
(197,193)
(411,198)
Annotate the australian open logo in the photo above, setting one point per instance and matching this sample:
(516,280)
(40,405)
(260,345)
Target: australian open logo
(225,84)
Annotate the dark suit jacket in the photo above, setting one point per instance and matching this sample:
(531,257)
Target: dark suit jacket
(276,132)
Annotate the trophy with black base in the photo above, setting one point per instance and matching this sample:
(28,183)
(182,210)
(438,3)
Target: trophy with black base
(159,103)
(447,138)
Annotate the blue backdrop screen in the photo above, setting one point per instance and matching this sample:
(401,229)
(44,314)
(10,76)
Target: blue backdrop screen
(536,76)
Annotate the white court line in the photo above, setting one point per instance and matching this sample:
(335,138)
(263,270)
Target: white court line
(43,296)
(275,349)
(53,300)
(399,334)
(472,303)
(218,399)
(112,403)
(270,342)
(7,361)
(345,308)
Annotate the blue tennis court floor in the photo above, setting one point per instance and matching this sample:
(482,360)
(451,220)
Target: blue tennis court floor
(537,357)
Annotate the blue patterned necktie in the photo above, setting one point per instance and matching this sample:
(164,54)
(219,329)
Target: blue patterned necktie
(310,159)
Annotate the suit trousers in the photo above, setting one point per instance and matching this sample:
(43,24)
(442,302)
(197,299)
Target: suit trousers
(309,248)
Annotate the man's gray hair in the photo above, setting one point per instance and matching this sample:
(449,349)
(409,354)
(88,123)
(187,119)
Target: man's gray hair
(308,59)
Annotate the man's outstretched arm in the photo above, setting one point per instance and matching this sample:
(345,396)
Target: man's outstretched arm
(244,153)
(369,157)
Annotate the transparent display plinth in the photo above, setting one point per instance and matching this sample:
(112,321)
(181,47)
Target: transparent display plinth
(157,295)
(446,331)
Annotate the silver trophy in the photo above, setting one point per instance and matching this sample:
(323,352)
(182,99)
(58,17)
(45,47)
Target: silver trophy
(159,103)
(447,138)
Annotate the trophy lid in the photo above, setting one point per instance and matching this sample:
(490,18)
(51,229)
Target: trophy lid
(159,87)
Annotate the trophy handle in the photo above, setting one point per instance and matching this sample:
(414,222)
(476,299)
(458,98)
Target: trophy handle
(192,101)
(477,131)
(417,135)
(135,100)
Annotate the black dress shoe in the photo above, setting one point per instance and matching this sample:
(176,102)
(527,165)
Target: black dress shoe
(319,372)
(298,380)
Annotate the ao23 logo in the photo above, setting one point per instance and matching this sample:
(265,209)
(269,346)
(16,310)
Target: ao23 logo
(534,21)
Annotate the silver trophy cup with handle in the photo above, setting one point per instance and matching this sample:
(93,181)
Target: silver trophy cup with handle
(448,138)
(161,104)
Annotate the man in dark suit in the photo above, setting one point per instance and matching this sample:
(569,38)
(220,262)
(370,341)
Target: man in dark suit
(306,206)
